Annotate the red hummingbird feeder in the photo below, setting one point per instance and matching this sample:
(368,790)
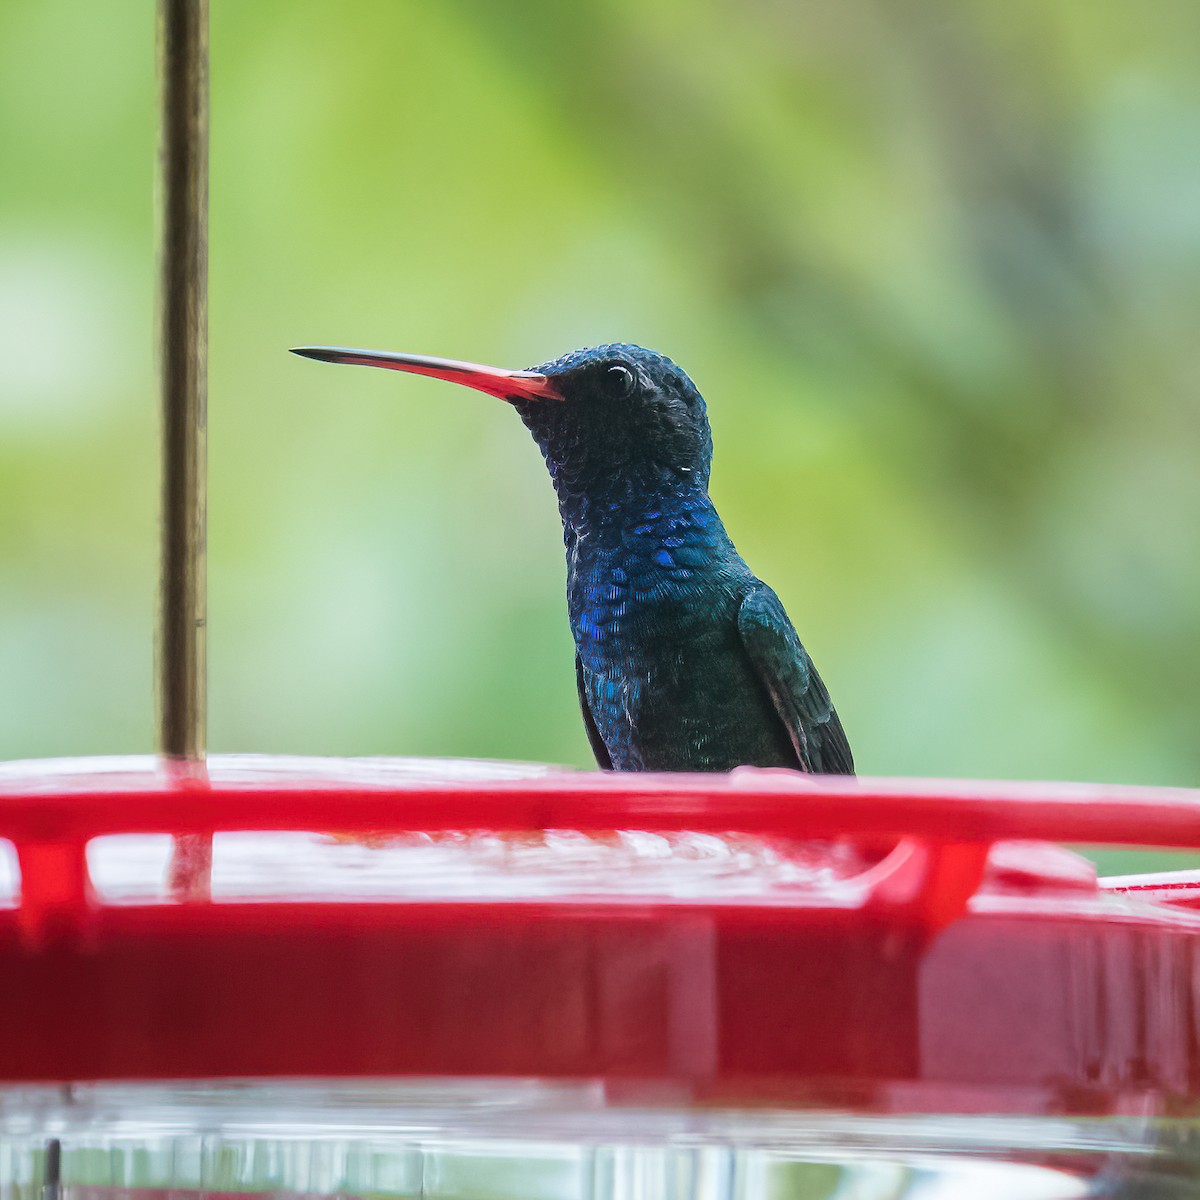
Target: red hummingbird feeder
(248,976)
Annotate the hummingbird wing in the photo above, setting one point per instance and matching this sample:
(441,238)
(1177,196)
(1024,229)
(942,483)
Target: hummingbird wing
(599,749)
(800,697)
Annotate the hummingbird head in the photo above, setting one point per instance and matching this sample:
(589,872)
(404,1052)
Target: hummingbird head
(630,421)
(612,421)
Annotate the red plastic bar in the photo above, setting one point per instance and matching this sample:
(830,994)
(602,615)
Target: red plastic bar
(782,804)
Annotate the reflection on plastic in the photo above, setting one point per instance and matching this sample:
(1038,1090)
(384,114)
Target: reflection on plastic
(10,875)
(524,1140)
(282,866)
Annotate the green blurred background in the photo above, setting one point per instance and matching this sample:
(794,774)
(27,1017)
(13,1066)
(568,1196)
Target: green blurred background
(936,268)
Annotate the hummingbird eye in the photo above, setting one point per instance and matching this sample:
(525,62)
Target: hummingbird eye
(620,380)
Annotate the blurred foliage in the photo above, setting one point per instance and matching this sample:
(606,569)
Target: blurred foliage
(934,266)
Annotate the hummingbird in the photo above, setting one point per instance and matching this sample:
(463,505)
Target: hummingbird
(684,659)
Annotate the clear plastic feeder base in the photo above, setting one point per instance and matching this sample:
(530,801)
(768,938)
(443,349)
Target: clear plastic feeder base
(478,1140)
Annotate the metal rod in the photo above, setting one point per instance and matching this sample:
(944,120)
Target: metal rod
(183,333)
(52,1172)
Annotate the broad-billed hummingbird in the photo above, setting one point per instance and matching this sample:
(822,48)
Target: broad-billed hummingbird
(684,660)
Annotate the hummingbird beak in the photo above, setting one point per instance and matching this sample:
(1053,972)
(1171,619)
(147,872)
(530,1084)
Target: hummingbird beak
(507,385)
